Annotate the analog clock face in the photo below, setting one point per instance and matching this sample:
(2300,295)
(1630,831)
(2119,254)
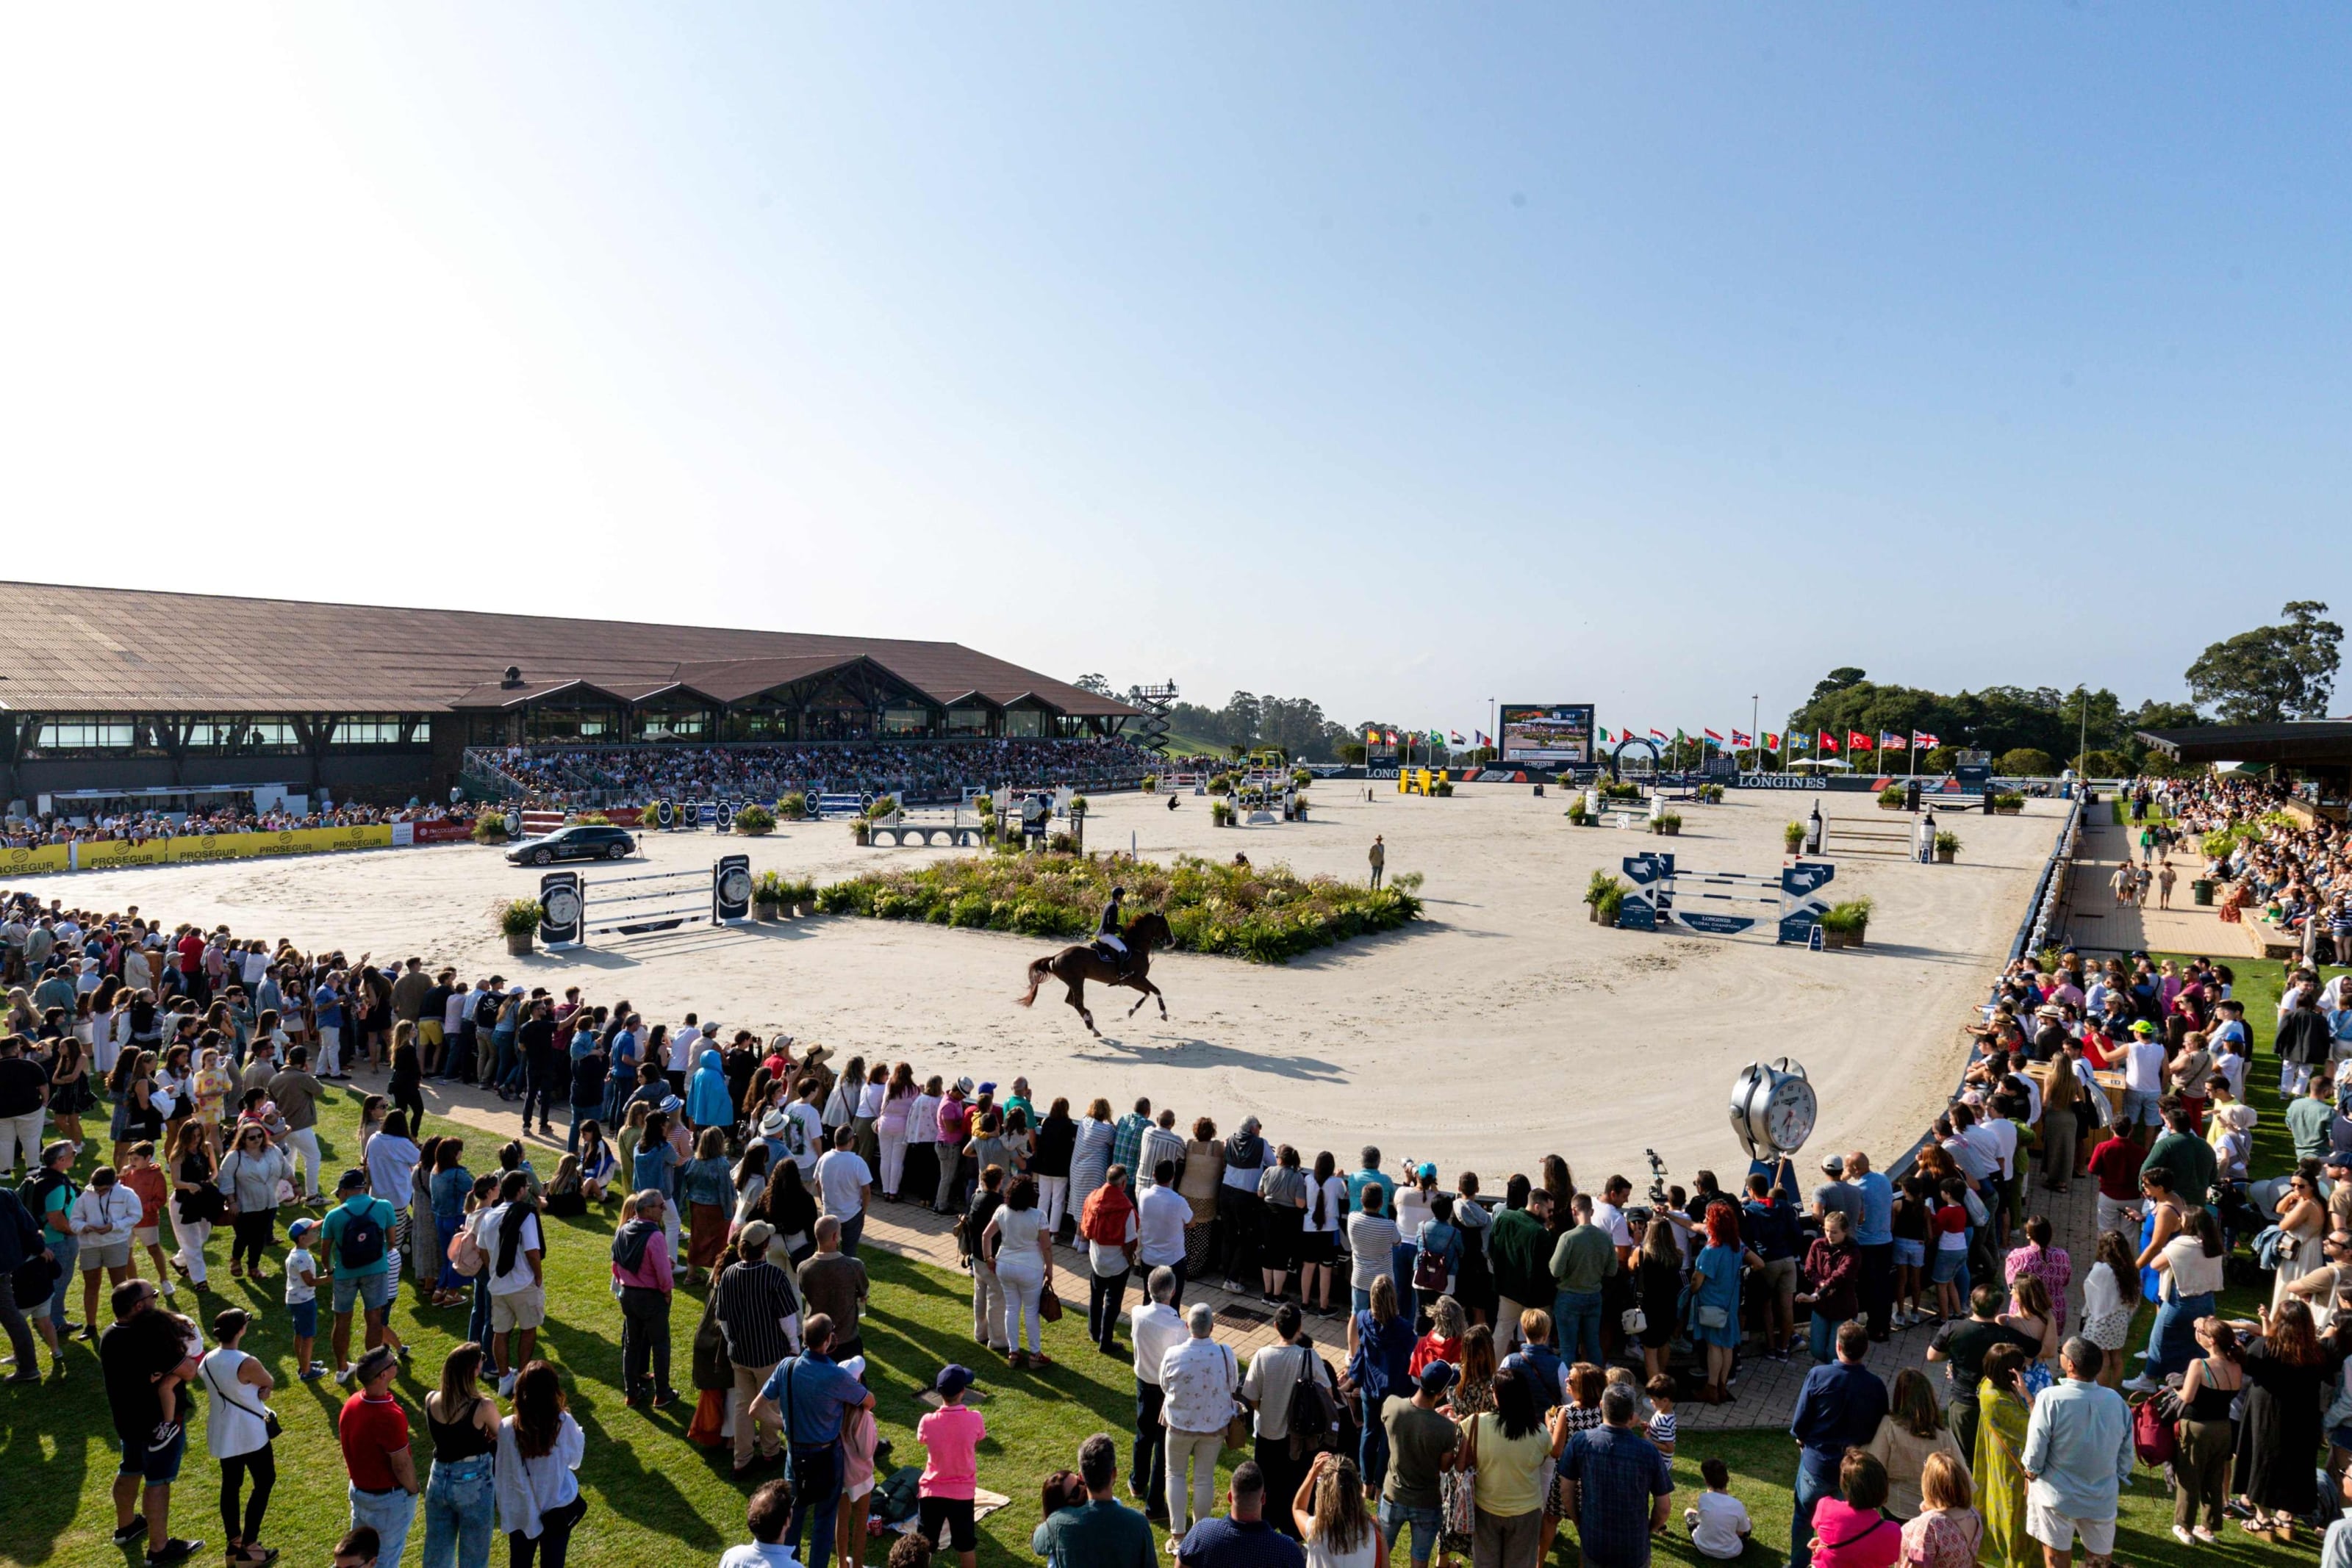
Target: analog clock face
(735,885)
(1789,1115)
(562,907)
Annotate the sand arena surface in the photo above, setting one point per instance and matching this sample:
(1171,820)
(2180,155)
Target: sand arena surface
(1502,1027)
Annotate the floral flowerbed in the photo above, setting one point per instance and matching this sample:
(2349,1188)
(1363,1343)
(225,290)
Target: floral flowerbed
(1265,913)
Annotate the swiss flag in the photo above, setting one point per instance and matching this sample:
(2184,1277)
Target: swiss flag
(1828,741)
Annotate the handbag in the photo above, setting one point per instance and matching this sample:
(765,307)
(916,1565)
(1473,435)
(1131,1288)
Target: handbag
(1049,1306)
(1237,1425)
(1713,1317)
(1429,1270)
(270,1424)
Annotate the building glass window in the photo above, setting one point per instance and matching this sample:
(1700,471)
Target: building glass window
(87,732)
(906,721)
(379,729)
(967,721)
(1025,722)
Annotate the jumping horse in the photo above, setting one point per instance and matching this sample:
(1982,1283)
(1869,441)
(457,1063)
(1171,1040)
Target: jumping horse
(1074,965)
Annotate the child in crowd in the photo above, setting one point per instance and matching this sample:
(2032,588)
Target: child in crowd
(596,1162)
(143,1175)
(1661,1390)
(566,1196)
(1718,1526)
(302,1299)
(951,1436)
(912,1549)
(857,1440)
(1950,1229)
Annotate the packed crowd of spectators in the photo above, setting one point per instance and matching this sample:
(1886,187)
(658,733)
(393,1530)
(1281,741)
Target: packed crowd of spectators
(1514,1349)
(138,827)
(2295,879)
(919,770)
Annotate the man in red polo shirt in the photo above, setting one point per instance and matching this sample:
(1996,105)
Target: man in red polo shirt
(374,1430)
(190,950)
(2116,1162)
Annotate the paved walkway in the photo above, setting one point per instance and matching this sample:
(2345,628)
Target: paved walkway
(2096,922)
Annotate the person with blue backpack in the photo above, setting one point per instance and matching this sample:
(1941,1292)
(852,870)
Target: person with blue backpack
(356,1239)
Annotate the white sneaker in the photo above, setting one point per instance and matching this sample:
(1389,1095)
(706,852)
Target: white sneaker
(344,1376)
(506,1386)
(2183,1537)
(2143,1383)
(168,1290)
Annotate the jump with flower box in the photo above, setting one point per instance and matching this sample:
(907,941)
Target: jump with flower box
(1661,897)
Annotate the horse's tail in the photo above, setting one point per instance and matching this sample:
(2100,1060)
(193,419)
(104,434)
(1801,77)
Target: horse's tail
(1038,969)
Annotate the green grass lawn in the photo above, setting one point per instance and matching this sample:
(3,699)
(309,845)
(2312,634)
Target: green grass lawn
(654,1498)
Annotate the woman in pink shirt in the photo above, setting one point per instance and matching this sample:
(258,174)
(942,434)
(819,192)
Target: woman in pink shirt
(951,1436)
(1849,1530)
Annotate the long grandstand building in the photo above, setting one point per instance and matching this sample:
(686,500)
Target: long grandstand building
(112,694)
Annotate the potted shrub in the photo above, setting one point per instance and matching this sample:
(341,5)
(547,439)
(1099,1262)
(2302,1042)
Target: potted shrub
(490,826)
(1845,925)
(861,831)
(1221,814)
(1792,839)
(1668,822)
(768,896)
(1576,814)
(519,921)
(1443,787)
(756,821)
(1891,798)
(2009,804)
(1946,846)
(1603,895)
(792,806)
(1061,843)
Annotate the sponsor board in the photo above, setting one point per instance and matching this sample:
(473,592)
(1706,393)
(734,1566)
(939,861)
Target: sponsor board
(448,831)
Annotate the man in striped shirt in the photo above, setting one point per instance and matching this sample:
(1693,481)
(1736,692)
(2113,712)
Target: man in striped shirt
(1127,1140)
(758,1316)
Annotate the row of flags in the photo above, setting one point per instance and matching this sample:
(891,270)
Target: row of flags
(1824,741)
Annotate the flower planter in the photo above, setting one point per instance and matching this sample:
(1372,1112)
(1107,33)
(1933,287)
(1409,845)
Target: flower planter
(1668,830)
(764,909)
(519,943)
(2007,811)
(1831,940)
(1891,805)
(1855,938)
(1944,857)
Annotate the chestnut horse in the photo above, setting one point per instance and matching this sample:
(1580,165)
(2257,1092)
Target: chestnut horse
(1073,966)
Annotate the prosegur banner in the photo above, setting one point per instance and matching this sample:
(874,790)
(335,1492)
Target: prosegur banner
(109,854)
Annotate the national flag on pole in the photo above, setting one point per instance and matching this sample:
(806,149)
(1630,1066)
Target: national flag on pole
(1712,736)
(1828,741)
(1921,738)
(1740,737)
(1857,740)
(1657,734)
(1454,736)
(1887,741)
(1772,741)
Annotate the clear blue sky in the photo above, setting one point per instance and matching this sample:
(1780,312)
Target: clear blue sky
(1397,357)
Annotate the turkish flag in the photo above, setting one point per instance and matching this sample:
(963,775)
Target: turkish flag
(1856,740)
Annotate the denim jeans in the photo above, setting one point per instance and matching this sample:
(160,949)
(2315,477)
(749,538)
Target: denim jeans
(816,1497)
(1816,1478)
(1575,1325)
(1372,1450)
(458,1500)
(66,1249)
(578,1113)
(2172,1342)
(388,1514)
(1822,1336)
(478,1326)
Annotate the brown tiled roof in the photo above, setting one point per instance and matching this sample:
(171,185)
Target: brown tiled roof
(66,649)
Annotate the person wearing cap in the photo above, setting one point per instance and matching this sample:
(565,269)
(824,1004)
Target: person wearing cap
(381,1472)
(1274,1376)
(951,1436)
(759,1314)
(2143,1077)
(356,1238)
(1422,1442)
(302,1297)
(819,1392)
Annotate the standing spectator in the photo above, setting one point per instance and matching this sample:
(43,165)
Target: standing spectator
(1874,1238)
(2078,1456)
(2200,1469)
(844,1186)
(1380,1356)
(642,1271)
(1327,1511)
(374,1431)
(1049,1161)
(1714,1320)
(1107,1226)
(237,1432)
(1850,1529)
(1241,1223)
(249,1179)
(1199,1380)
(1158,1328)
(1017,1247)
(819,1392)
(1268,1387)
(1620,1487)
(140,1354)
(1244,1539)
(1420,1446)
(24,1099)
(1508,1446)
(512,1236)
(1372,1247)
(1162,1215)
(540,1446)
(2285,1370)
(105,1218)
(1913,1430)
(1832,1266)
(1768,1224)
(951,1436)
(759,1318)
(20,1243)
(1520,1248)
(459,1490)
(2002,1430)
(1962,1346)
(1582,1262)
(770,1509)
(1947,1533)
(1103,1534)
(356,1238)
(835,1283)
(1838,1408)
(297,1093)
(987,1291)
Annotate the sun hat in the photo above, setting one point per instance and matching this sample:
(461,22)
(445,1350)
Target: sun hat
(773,1125)
(963,1085)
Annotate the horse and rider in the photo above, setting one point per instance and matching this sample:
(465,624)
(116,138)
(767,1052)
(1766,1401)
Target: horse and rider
(1119,954)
